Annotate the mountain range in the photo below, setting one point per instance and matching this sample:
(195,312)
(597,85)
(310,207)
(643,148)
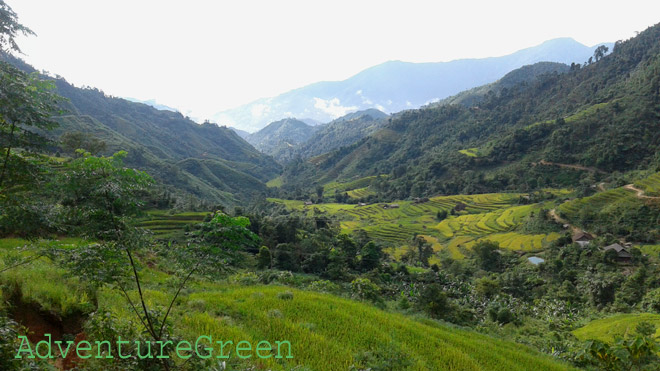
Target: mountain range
(394,86)
(603,115)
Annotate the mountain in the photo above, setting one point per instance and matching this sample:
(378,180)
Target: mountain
(603,117)
(279,137)
(153,103)
(394,86)
(208,161)
(241,133)
(341,132)
(524,74)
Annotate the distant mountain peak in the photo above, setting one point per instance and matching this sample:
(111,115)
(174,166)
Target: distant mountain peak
(396,85)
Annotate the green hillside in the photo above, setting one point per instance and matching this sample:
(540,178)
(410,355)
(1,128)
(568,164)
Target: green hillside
(326,332)
(280,138)
(211,162)
(342,132)
(600,116)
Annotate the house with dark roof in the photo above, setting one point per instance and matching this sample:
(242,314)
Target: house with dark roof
(622,253)
(582,238)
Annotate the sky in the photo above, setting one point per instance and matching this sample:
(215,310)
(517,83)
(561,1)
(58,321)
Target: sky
(203,57)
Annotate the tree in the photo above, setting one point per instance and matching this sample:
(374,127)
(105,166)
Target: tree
(371,255)
(100,198)
(433,300)
(10,28)
(486,255)
(26,103)
(600,52)
(264,260)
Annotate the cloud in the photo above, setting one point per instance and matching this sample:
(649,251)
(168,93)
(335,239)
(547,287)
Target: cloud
(333,107)
(258,110)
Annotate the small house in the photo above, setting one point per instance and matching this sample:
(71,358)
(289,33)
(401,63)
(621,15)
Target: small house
(622,253)
(362,204)
(308,203)
(582,238)
(394,206)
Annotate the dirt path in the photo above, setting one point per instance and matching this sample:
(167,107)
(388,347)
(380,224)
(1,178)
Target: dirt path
(639,192)
(569,166)
(562,221)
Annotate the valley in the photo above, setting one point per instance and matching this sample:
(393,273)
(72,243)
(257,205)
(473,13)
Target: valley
(480,214)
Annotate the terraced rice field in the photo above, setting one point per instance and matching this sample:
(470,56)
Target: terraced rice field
(165,226)
(600,201)
(650,185)
(606,329)
(329,189)
(493,216)
(360,192)
(474,152)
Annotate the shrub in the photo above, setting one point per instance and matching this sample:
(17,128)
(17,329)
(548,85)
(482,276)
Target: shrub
(245,278)
(364,289)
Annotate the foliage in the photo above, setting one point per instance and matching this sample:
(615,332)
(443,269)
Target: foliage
(635,352)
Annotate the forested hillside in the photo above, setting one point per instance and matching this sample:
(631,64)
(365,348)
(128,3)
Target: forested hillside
(603,114)
(341,132)
(280,137)
(208,161)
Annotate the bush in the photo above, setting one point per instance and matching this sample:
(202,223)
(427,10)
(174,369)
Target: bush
(245,278)
(324,286)
(651,301)
(364,289)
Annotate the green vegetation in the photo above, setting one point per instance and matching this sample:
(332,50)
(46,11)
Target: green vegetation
(606,329)
(650,185)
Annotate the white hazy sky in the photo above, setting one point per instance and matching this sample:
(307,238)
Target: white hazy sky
(206,56)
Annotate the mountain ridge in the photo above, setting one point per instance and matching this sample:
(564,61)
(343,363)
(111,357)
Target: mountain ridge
(395,85)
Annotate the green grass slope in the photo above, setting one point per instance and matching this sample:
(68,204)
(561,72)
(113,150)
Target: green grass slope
(326,332)
(606,329)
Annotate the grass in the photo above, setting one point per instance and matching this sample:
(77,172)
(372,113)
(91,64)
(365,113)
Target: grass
(653,250)
(606,329)
(41,282)
(326,332)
